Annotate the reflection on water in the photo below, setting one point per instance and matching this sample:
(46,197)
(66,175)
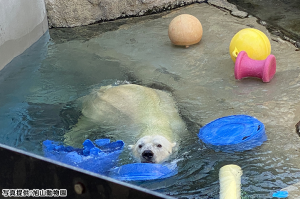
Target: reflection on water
(37,86)
(280,14)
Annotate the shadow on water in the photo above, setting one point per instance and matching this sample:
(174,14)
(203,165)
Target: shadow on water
(61,35)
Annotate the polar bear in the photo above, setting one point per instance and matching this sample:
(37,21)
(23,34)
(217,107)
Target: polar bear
(145,117)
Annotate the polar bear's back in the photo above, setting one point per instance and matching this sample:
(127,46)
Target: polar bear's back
(129,112)
(140,105)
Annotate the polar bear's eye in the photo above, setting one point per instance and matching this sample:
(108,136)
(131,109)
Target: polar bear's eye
(140,146)
(159,146)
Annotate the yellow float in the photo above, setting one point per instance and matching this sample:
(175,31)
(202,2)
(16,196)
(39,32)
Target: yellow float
(254,42)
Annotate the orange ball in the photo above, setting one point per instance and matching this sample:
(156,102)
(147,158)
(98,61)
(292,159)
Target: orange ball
(185,30)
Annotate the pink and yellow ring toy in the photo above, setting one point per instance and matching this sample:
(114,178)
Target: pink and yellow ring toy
(250,50)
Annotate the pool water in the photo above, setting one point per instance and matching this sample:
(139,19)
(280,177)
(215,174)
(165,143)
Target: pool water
(37,85)
(282,16)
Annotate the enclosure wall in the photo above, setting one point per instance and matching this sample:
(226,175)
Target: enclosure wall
(22,22)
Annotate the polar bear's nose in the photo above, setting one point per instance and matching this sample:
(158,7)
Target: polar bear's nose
(147,154)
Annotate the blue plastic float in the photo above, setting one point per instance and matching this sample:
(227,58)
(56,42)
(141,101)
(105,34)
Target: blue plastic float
(102,159)
(144,171)
(280,194)
(233,133)
(99,159)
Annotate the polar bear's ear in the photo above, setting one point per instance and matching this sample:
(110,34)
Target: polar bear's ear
(130,146)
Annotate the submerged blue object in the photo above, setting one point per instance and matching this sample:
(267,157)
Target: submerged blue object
(99,159)
(233,133)
(143,171)
(281,194)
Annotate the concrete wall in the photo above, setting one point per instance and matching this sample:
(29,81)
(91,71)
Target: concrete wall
(22,22)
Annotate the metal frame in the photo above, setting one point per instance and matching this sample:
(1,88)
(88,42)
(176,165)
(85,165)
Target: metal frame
(23,170)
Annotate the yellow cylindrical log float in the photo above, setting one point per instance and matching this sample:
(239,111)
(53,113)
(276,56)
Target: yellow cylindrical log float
(230,182)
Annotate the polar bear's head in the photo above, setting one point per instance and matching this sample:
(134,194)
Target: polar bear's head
(152,149)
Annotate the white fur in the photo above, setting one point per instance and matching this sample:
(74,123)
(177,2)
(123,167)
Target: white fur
(135,114)
(159,145)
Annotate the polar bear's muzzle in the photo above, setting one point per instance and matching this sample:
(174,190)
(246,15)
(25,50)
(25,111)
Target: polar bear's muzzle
(147,156)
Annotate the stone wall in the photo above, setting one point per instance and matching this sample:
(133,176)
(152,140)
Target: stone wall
(66,13)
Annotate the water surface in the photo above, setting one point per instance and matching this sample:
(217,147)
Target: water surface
(38,84)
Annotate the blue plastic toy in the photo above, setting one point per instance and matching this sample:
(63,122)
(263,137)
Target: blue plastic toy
(233,133)
(143,171)
(281,194)
(99,159)
(103,158)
